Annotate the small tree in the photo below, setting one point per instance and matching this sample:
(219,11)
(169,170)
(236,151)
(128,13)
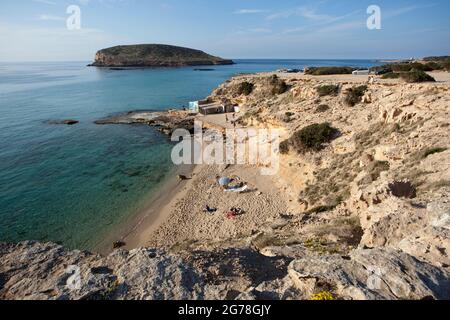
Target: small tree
(354,95)
(416,76)
(285,147)
(278,85)
(322,108)
(245,88)
(328,90)
(446,65)
(313,137)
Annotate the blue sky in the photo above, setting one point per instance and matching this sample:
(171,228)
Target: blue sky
(35,30)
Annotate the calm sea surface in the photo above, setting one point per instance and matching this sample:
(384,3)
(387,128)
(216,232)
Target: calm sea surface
(74,185)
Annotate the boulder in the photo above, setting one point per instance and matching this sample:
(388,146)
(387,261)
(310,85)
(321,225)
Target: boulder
(370,274)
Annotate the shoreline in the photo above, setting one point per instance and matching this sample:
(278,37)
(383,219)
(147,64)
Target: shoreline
(147,218)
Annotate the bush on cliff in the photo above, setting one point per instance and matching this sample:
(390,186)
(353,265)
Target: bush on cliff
(285,147)
(434,66)
(391,75)
(406,67)
(416,76)
(313,137)
(322,108)
(446,65)
(354,95)
(321,71)
(328,90)
(245,88)
(278,85)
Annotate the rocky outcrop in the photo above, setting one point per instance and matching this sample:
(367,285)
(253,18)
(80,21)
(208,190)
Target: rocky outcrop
(69,122)
(36,271)
(154,55)
(31,270)
(370,275)
(165,122)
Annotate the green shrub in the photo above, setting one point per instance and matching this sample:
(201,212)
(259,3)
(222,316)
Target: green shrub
(416,76)
(434,66)
(321,71)
(401,67)
(288,116)
(439,58)
(354,95)
(406,67)
(391,75)
(446,65)
(328,90)
(285,147)
(322,108)
(278,85)
(313,137)
(245,88)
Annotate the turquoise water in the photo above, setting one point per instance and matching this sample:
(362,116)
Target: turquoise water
(74,185)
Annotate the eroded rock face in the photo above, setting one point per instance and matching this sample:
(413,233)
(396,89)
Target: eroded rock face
(418,227)
(371,274)
(32,270)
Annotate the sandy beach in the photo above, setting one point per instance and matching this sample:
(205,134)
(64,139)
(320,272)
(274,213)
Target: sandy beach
(177,214)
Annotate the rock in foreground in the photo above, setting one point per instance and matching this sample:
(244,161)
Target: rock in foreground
(31,270)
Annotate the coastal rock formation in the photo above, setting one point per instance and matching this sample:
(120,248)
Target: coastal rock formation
(154,55)
(69,122)
(36,271)
(165,122)
(364,216)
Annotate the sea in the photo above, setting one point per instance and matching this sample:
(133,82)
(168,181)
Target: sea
(75,185)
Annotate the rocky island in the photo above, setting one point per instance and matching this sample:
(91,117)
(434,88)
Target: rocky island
(154,55)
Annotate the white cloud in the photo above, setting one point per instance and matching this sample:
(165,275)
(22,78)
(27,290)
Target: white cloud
(401,11)
(254,30)
(49,17)
(45,2)
(249,11)
(309,14)
(26,43)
